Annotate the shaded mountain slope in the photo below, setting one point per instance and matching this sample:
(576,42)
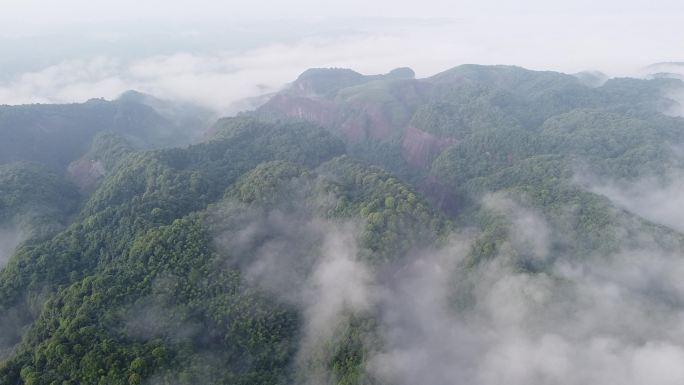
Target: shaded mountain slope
(55,135)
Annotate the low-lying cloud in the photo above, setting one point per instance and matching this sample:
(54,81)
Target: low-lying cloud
(10,238)
(305,260)
(605,319)
(655,199)
(577,319)
(339,283)
(218,79)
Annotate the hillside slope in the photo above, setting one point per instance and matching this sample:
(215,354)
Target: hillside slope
(355,230)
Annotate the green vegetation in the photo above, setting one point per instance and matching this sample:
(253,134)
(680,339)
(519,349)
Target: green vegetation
(153,276)
(35,199)
(56,135)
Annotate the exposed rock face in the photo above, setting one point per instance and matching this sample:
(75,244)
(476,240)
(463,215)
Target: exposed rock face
(320,111)
(439,194)
(368,121)
(355,122)
(368,110)
(420,148)
(85,173)
(362,108)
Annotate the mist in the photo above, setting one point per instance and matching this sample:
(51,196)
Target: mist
(610,319)
(293,253)
(574,325)
(216,64)
(505,288)
(658,200)
(10,238)
(600,319)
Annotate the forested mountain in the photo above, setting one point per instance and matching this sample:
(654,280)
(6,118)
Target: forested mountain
(352,230)
(56,135)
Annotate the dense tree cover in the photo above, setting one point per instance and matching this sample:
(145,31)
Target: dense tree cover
(396,218)
(328,81)
(56,135)
(531,97)
(283,205)
(541,166)
(460,120)
(34,198)
(155,188)
(528,134)
(598,143)
(136,245)
(606,144)
(109,148)
(487,103)
(156,278)
(163,304)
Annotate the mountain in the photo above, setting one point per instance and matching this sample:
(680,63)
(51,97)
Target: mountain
(55,135)
(405,124)
(353,229)
(674,70)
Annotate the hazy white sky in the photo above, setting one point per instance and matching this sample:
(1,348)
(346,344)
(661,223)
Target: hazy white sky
(217,52)
(61,11)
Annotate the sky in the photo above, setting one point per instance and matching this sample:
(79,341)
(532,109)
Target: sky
(216,53)
(55,13)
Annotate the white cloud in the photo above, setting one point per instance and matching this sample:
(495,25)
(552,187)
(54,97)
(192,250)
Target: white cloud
(69,81)
(597,319)
(602,320)
(659,201)
(10,238)
(218,79)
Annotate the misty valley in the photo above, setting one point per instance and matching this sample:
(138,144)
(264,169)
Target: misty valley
(486,225)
